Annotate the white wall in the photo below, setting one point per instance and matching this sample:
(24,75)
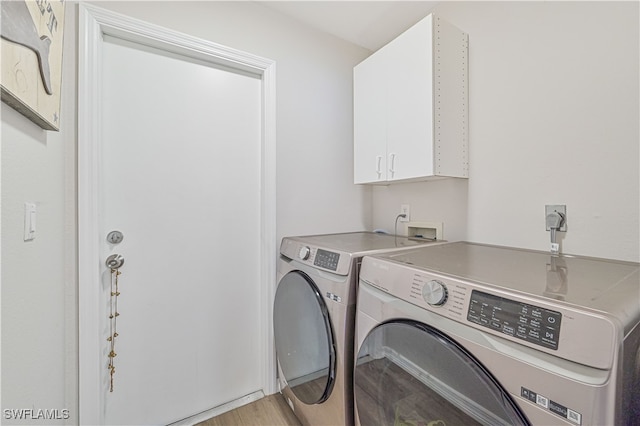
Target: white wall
(314,181)
(554,119)
(439,200)
(39,337)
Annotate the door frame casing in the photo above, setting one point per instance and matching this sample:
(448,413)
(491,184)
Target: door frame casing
(94,23)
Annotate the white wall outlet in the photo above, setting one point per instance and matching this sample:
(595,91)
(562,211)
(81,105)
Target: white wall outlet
(406,210)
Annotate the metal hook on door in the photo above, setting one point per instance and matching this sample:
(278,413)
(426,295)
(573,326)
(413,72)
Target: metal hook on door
(114,261)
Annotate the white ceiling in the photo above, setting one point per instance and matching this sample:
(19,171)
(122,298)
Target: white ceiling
(370,24)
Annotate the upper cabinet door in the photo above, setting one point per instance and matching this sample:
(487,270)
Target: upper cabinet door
(410,102)
(410,106)
(370,116)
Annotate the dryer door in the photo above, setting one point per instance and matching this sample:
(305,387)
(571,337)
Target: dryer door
(304,339)
(410,373)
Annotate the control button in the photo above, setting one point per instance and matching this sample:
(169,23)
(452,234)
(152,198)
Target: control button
(304,253)
(435,293)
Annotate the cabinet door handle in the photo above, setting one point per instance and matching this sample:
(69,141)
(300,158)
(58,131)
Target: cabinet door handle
(378,165)
(392,162)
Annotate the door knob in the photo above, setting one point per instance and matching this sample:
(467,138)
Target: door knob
(114,261)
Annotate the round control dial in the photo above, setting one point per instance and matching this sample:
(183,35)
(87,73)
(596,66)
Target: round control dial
(304,253)
(435,293)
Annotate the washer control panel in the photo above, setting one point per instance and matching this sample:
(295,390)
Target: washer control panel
(540,323)
(517,319)
(435,292)
(520,320)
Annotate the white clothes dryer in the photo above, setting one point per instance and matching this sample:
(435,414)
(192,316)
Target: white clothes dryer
(464,333)
(314,315)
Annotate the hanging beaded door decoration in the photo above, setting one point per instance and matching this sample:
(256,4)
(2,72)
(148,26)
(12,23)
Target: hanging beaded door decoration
(113,322)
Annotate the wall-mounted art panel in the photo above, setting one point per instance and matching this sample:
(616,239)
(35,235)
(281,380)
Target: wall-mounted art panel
(32,41)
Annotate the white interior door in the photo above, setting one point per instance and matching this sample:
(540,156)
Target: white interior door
(180,179)
(176,153)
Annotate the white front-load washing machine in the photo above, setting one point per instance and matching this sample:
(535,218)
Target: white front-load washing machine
(466,334)
(314,314)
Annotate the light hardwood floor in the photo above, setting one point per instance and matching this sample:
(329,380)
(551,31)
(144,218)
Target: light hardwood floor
(271,410)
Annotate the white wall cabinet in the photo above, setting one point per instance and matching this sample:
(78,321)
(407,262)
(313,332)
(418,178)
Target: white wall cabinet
(410,106)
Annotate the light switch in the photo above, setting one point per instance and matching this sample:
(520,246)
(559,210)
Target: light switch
(29,221)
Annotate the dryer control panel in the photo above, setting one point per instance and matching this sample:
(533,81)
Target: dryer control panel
(327,260)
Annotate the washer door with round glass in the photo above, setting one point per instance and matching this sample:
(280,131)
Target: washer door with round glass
(304,339)
(408,373)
